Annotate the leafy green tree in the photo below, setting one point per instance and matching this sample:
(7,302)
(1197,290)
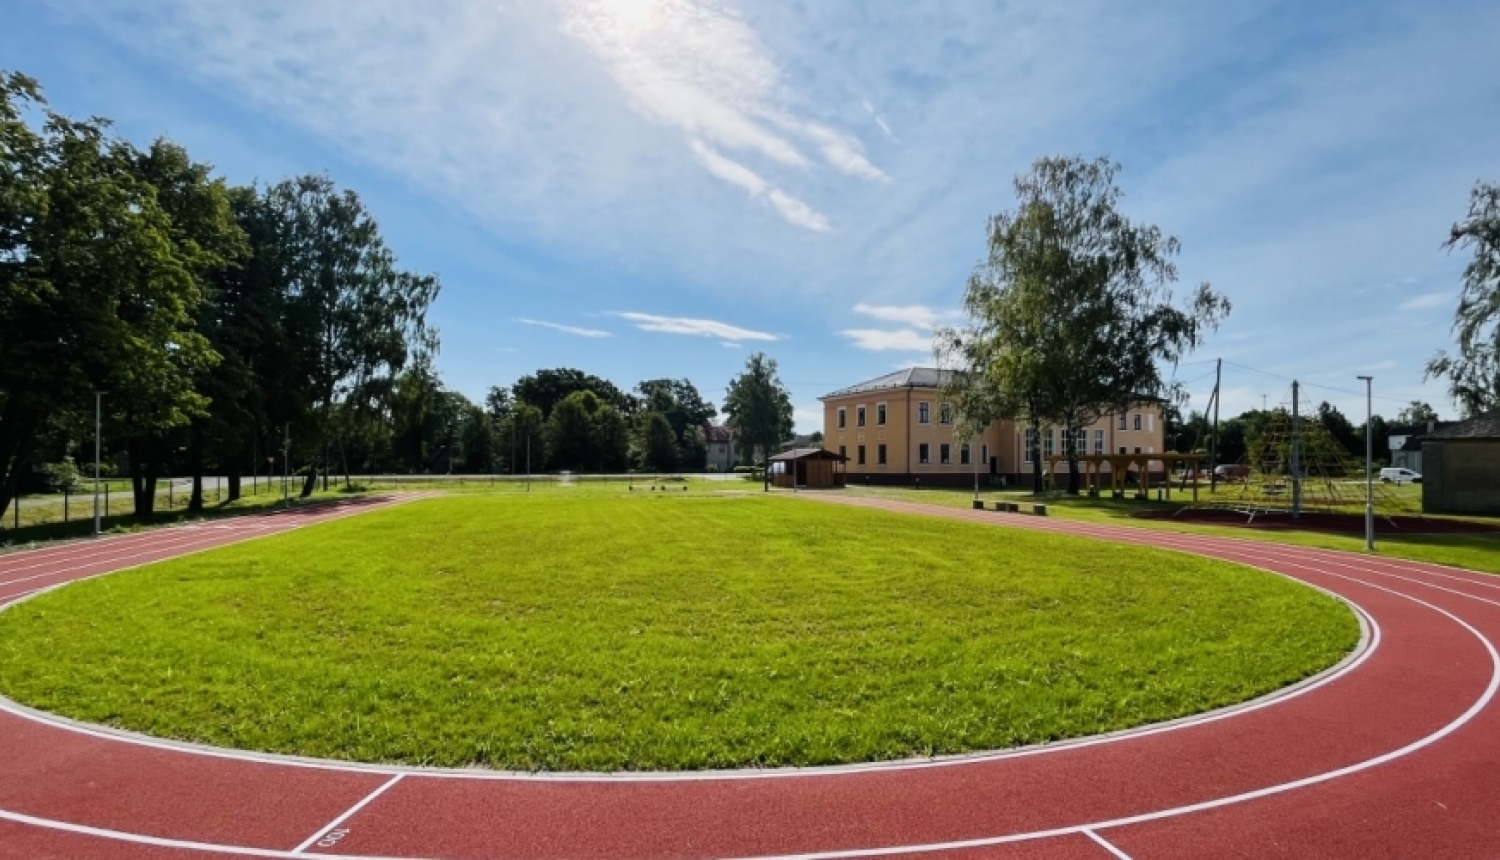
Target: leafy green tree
(1341,429)
(1072,315)
(759,408)
(569,432)
(209,239)
(96,290)
(610,438)
(657,444)
(520,440)
(1417,412)
(547,388)
(353,316)
(1473,374)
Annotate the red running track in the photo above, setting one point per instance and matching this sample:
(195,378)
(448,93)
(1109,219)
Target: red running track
(1395,753)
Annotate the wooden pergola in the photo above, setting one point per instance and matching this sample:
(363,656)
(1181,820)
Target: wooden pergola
(1120,466)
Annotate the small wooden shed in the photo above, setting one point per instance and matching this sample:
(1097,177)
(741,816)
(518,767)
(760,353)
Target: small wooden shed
(814,468)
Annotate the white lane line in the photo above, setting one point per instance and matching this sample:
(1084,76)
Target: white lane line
(1105,844)
(313,839)
(1172,812)
(1371,639)
(180,844)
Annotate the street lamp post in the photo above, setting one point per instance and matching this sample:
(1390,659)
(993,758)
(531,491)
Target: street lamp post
(1369,465)
(98,423)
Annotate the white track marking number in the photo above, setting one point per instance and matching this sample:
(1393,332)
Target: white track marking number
(332,837)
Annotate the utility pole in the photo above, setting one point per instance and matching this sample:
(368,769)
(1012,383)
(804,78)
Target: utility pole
(1296,455)
(1369,464)
(98,423)
(1213,439)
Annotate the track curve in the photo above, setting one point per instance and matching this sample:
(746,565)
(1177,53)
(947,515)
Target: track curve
(1396,754)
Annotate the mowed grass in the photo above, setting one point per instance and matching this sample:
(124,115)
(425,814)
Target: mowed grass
(666,632)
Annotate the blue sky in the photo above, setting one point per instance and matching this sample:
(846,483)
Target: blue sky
(644,189)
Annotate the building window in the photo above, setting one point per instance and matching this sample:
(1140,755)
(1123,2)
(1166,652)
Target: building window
(1122,449)
(880,455)
(1122,425)
(842,417)
(924,455)
(1080,442)
(842,452)
(1137,421)
(880,414)
(859,416)
(1030,442)
(984,453)
(1099,442)
(924,413)
(860,451)
(945,414)
(945,454)
(1047,443)
(1138,449)
(963,454)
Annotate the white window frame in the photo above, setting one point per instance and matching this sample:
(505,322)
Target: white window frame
(861,459)
(880,414)
(1027,443)
(924,412)
(859,415)
(1124,421)
(1099,442)
(945,413)
(843,417)
(1137,421)
(1049,447)
(965,454)
(924,454)
(880,455)
(945,453)
(984,451)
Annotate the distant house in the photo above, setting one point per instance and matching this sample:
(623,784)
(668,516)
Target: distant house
(720,443)
(801,440)
(1463,467)
(1405,443)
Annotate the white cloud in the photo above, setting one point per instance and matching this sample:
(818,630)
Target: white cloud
(905,339)
(689,326)
(734,173)
(727,345)
(917,315)
(574,330)
(699,67)
(1426,301)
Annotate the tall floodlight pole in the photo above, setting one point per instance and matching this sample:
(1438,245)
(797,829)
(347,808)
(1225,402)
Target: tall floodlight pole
(1296,455)
(1369,464)
(1213,439)
(98,423)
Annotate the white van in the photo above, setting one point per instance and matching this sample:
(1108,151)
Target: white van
(1399,476)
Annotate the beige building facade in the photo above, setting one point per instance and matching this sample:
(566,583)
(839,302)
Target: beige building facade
(895,429)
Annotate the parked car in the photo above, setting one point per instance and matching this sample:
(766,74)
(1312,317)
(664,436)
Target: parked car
(1232,472)
(1398,476)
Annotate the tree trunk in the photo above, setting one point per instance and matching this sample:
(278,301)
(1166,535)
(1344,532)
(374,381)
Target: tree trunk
(18,428)
(232,482)
(344,459)
(1036,457)
(142,480)
(310,483)
(195,465)
(1071,449)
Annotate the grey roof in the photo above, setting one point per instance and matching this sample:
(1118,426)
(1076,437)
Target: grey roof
(1483,426)
(911,377)
(808,453)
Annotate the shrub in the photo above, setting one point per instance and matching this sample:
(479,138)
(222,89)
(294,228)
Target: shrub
(62,476)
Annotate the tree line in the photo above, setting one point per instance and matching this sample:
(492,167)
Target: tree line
(205,318)
(237,330)
(1240,435)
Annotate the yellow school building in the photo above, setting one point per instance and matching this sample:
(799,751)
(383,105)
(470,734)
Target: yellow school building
(895,429)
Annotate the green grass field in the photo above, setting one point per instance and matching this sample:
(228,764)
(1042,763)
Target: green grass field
(1479,552)
(561,632)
